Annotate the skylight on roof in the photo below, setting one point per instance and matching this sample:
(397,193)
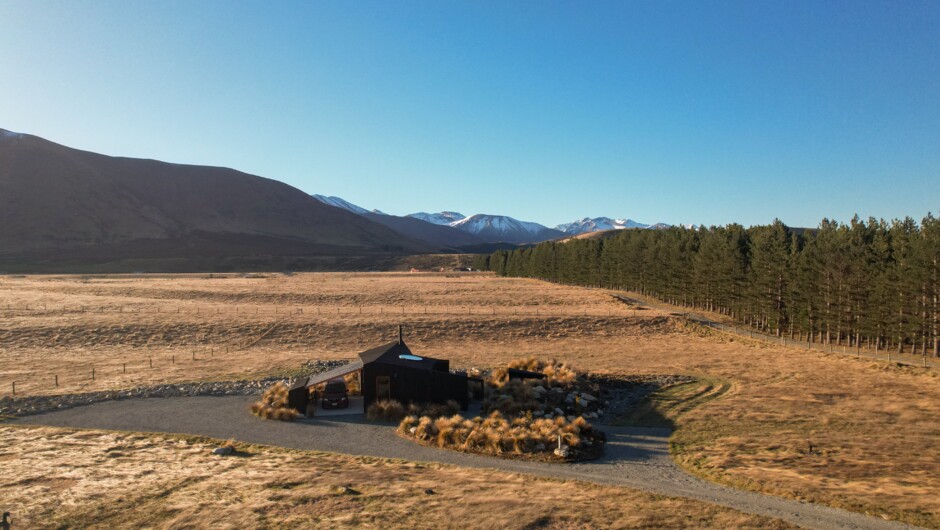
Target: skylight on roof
(408,357)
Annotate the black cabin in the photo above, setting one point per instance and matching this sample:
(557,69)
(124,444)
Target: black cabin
(392,371)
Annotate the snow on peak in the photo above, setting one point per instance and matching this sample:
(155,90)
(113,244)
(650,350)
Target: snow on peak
(440,218)
(9,134)
(503,228)
(342,203)
(597,224)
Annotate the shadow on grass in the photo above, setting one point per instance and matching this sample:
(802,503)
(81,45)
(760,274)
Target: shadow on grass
(665,406)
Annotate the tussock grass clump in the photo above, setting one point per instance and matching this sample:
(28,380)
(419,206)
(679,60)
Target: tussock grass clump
(512,397)
(495,434)
(273,404)
(434,410)
(556,373)
(386,410)
(394,411)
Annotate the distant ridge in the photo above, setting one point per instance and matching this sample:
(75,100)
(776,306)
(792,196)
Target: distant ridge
(440,218)
(441,237)
(601,224)
(502,228)
(344,204)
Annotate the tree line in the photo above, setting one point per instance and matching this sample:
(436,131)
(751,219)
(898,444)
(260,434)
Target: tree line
(866,283)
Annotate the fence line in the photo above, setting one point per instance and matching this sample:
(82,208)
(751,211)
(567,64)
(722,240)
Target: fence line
(208,352)
(321,310)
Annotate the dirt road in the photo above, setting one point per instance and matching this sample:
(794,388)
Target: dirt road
(635,457)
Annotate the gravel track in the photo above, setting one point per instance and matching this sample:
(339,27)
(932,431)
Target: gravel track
(635,457)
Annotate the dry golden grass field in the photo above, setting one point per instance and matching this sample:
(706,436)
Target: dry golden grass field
(874,429)
(107,480)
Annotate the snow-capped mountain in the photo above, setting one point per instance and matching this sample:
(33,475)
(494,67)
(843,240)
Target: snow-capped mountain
(506,229)
(598,224)
(344,204)
(485,228)
(440,218)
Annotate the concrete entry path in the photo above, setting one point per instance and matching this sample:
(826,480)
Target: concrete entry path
(635,457)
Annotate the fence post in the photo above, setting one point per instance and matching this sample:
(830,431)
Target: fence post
(194,355)
(56,380)
(125,368)
(14,388)
(92,374)
(151,362)
(173,359)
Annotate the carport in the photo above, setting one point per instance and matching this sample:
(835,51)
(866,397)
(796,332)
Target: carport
(298,397)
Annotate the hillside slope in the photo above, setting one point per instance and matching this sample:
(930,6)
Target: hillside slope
(57,202)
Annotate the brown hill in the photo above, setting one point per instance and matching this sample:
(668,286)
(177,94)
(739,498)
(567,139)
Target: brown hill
(58,203)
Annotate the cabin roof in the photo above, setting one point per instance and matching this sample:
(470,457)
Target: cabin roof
(398,353)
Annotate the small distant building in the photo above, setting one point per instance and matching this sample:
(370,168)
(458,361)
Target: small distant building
(392,371)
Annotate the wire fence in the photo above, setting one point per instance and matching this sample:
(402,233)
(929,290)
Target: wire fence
(924,360)
(84,375)
(328,310)
(859,352)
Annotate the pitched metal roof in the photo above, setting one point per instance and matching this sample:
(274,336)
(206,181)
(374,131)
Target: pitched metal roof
(339,371)
(389,353)
(398,348)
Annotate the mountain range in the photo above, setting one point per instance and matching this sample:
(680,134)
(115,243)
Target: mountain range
(61,207)
(500,228)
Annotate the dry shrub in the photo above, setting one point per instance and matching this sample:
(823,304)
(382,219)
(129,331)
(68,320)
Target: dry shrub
(495,434)
(273,404)
(434,410)
(556,373)
(386,410)
(512,397)
(353,385)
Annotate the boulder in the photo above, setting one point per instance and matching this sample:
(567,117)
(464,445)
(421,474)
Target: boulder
(562,451)
(225,450)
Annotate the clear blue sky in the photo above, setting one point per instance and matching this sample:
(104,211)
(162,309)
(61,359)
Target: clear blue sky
(683,112)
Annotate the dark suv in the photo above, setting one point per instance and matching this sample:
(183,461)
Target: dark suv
(335,395)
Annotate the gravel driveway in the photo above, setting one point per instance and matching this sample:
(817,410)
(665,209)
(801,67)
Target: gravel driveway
(635,457)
